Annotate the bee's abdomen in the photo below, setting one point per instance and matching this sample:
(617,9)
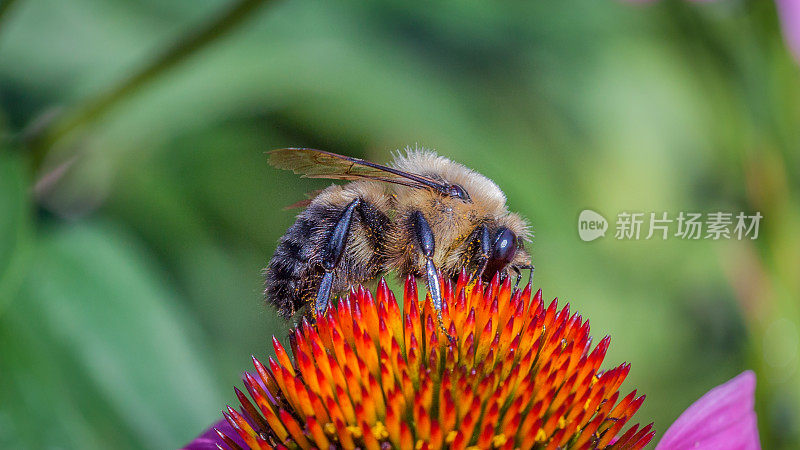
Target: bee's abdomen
(295,271)
(289,266)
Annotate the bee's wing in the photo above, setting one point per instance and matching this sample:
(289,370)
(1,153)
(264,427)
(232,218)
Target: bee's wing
(306,201)
(311,163)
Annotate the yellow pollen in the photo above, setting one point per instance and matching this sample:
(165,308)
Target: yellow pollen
(586,405)
(355,431)
(469,287)
(541,436)
(562,422)
(473,447)
(330,429)
(451,437)
(379,431)
(499,440)
(594,380)
(419,445)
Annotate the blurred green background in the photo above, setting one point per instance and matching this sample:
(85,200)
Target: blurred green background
(137,209)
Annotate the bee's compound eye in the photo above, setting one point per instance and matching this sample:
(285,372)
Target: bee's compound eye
(458,192)
(503,250)
(505,246)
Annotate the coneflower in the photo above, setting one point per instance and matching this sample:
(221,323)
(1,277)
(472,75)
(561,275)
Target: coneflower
(511,371)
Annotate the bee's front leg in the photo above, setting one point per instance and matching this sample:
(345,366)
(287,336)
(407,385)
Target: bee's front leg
(332,254)
(483,240)
(518,270)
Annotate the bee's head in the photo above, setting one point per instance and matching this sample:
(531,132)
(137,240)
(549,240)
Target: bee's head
(503,247)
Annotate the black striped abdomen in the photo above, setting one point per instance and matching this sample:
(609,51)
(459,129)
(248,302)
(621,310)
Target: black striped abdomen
(295,271)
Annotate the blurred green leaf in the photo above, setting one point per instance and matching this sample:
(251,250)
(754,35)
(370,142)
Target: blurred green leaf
(14,223)
(93,294)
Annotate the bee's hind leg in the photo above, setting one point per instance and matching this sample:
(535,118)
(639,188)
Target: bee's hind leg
(332,254)
(323,294)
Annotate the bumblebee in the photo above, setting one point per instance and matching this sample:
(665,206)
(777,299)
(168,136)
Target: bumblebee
(421,215)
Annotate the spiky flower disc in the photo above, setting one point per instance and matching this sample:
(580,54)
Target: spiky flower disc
(513,373)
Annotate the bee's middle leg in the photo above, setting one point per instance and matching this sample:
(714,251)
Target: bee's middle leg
(427,244)
(332,254)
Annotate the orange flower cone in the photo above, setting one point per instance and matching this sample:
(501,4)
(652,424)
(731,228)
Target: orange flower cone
(511,372)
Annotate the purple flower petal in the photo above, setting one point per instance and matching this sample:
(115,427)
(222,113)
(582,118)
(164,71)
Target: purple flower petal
(209,439)
(722,418)
(789,13)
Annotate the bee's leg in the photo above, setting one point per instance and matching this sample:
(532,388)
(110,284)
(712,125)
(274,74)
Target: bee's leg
(516,270)
(427,244)
(323,294)
(484,240)
(332,254)
(528,267)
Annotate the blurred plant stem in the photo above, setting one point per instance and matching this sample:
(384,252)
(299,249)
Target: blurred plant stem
(64,124)
(5,6)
